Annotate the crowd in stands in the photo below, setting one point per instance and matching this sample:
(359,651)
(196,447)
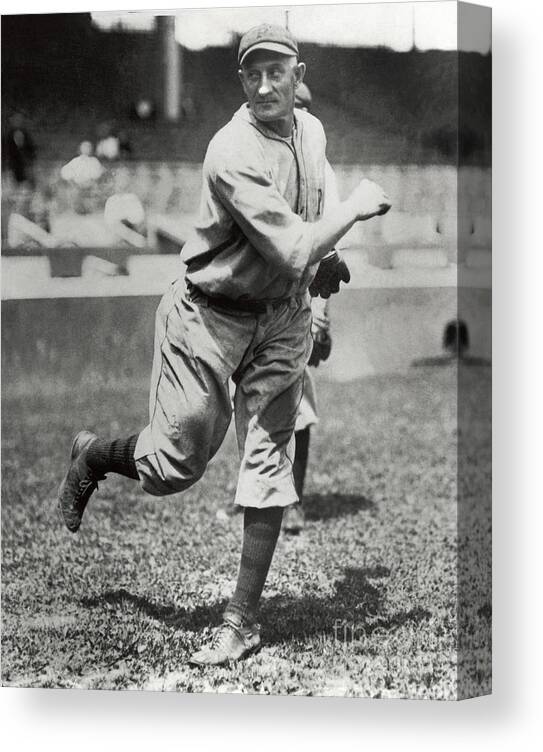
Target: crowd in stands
(85,176)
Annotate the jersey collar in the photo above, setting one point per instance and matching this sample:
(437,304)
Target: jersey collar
(244,113)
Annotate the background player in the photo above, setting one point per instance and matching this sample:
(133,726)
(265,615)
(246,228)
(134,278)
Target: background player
(293,517)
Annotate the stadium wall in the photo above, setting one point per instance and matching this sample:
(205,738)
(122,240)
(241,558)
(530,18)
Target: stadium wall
(47,344)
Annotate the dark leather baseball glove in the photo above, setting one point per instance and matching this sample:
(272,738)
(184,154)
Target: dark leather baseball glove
(332,270)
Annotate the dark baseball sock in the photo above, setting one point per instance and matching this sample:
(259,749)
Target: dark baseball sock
(261,529)
(299,466)
(113,457)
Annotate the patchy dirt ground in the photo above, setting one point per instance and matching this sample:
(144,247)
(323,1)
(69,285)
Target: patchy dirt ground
(364,602)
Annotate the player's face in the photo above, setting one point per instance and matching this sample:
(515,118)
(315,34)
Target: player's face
(269,81)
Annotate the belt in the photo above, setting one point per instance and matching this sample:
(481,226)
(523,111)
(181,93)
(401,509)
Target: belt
(236,306)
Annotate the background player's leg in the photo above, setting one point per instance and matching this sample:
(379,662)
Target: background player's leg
(294,517)
(299,466)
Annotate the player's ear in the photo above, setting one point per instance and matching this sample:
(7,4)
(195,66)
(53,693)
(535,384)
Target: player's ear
(299,72)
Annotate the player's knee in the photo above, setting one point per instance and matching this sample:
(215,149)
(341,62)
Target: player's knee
(164,475)
(189,425)
(193,471)
(173,483)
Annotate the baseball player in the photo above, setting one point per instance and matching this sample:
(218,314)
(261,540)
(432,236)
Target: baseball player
(293,516)
(242,313)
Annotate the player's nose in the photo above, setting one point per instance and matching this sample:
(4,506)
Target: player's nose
(264,87)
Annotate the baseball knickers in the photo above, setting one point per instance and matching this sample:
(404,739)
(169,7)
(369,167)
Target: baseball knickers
(197,350)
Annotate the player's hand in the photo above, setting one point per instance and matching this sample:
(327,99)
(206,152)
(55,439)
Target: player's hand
(322,345)
(369,200)
(332,270)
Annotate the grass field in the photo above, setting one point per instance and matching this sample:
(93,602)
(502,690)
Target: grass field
(363,603)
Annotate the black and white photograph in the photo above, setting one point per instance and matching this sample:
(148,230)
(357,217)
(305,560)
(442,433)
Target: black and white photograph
(247,350)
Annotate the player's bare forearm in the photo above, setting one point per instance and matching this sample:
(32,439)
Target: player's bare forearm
(366,201)
(331,228)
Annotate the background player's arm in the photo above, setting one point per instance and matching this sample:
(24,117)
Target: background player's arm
(320,310)
(320,331)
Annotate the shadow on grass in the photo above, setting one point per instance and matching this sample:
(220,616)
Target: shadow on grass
(327,506)
(357,600)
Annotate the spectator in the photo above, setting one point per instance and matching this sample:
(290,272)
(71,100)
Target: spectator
(19,151)
(143,110)
(83,174)
(125,146)
(125,209)
(108,144)
(84,169)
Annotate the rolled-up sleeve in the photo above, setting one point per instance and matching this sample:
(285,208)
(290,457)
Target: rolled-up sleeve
(251,198)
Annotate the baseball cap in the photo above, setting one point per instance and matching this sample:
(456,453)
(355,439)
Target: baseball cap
(267,37)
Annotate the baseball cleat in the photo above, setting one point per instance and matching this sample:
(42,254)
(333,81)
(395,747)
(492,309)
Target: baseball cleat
(293,519)
(232,641)
(78,484)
